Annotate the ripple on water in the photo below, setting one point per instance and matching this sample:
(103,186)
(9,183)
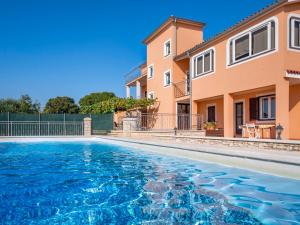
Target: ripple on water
(86,183)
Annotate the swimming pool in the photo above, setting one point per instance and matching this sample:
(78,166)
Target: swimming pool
(100,183)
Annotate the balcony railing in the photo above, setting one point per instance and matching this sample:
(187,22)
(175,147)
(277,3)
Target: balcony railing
(134,74)
(182,89)
(164,121)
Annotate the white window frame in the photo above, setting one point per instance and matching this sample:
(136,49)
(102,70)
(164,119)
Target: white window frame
(151,93)
(165,80)
(212,65)
(148,72)
(166,54)
(269,107)
(292,18)
(249,31)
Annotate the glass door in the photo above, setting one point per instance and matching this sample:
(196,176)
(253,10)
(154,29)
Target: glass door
(239,117)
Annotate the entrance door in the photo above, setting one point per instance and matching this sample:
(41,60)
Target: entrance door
(183,116)
(239,117)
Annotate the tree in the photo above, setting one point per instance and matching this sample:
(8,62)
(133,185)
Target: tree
(94,98)
(27,106)
(9,105)
(22,105)
(61,105)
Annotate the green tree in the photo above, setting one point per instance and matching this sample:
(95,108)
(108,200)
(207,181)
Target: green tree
(9,105)
(61,105)
(22,105)
(94,98)
(26,105)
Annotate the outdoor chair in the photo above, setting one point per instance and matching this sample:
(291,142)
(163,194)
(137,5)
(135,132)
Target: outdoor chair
(252,131)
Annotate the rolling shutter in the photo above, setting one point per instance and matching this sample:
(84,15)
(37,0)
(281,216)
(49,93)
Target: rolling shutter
(254,108)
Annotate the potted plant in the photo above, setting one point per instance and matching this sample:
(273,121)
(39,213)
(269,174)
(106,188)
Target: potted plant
(210,125)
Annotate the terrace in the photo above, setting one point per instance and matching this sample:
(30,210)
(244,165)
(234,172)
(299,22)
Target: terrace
(137,79)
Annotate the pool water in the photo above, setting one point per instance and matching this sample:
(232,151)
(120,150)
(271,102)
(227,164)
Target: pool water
(97,183)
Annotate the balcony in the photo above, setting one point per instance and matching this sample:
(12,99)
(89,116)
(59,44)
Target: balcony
(137,79)
(135,74)
(182,89)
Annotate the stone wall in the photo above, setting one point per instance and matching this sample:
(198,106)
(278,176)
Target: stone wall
(237,142)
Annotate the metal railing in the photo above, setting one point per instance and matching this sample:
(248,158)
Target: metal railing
(181,89)
(161,121)
(134,74)
(37,128)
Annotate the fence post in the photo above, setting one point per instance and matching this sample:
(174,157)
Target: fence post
(64,124)
(39,124)
(48,128)
(87,124)
(8,119)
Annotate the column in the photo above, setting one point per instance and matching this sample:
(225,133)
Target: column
(138,89)
(127,91)
(228,116)
(195,119)
(87,124)
(282,107)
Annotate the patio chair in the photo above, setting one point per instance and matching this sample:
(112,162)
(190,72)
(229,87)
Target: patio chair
(252,131)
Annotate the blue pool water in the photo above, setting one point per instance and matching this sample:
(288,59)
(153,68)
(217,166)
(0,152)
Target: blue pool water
(94,183)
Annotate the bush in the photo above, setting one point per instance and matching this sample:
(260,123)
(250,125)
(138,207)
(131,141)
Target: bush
(117,104)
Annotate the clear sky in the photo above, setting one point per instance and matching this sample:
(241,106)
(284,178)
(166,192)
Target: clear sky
(52,48)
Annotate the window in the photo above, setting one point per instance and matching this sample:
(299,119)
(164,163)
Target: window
(257,41)
(151,95)
(295,32)
(167,48)
(203,63)
(211,113)
(150,71)
(267,108)
(167,78)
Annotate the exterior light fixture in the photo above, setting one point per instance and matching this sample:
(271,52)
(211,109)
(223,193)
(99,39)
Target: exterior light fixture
(279,130)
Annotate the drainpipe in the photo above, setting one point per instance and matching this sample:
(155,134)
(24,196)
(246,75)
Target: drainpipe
(191,89)
(175,37)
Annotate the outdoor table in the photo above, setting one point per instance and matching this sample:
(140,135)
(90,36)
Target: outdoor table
(261,128)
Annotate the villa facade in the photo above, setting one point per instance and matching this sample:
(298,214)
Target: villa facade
(250,73)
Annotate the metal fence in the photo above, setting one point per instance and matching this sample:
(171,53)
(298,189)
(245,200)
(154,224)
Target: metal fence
(161,121)
(33,128)
(41,124)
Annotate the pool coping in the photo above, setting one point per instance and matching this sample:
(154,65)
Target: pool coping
(265,163)
(203,151)
(274,162)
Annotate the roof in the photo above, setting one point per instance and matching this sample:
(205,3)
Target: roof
(293,72)
(169,21)
(244,21)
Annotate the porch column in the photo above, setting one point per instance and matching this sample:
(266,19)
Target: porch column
(282,107)
(228,116)
(195,119)
(127,91)
(138,89)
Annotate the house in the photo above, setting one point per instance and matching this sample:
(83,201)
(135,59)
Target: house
(250,73)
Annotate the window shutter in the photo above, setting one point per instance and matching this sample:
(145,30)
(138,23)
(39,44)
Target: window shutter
(254,108)
(260,40)
(297,34)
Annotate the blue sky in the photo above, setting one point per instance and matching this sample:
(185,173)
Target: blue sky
(70,48)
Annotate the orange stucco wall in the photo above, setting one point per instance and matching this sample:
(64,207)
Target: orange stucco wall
(202,110)
(188,36)
(265,71)
(295,112)
(155,56)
